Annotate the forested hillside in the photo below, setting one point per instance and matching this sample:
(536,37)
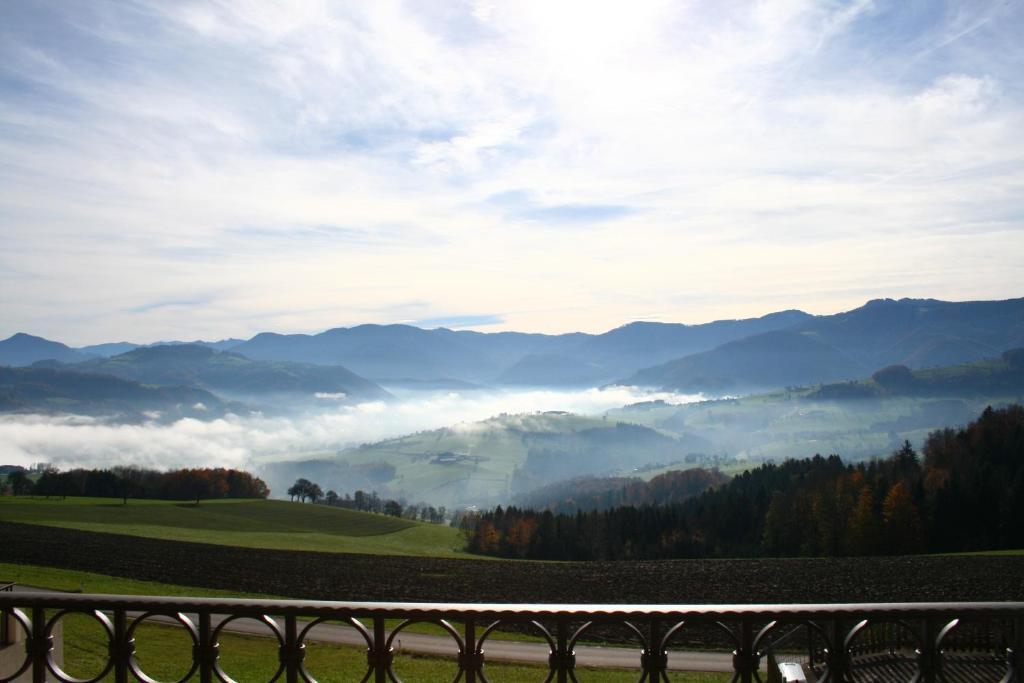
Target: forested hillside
(602,493)
(965,492)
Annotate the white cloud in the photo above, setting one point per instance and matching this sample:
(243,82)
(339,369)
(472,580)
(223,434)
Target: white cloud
(169,152)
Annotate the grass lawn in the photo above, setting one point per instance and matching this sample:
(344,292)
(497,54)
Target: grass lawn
(248,523)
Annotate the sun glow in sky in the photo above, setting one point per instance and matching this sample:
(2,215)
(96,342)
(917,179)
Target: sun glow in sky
(184,170)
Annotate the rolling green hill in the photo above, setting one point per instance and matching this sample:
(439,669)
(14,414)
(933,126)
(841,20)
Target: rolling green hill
(247,523)
(996,377)
(792,424)
(60,390)
(482,463)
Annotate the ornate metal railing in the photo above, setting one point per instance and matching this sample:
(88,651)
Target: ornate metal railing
(5,587)
(835,633)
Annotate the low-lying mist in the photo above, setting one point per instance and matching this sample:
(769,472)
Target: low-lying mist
(245,441)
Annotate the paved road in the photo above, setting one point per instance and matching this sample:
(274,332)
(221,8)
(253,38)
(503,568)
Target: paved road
(495,650)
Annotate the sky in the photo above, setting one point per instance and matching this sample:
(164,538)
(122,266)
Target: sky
(179,170)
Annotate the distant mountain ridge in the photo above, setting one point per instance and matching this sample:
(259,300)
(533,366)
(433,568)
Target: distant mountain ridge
(232,373)
(24,349)
(917,333)
(59,390)
(394,352)
(726,356)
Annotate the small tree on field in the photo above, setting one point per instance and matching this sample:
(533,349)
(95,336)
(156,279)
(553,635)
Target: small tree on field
(314,492)
(19,482)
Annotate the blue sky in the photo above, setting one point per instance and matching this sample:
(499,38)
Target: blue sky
(184,170)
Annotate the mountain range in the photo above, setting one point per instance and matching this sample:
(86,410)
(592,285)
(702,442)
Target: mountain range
(917,333)
(722,357)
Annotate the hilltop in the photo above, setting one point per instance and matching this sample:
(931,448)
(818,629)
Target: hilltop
(484,462)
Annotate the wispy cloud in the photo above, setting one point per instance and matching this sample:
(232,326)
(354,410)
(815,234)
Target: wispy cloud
(321,161)
(457,322)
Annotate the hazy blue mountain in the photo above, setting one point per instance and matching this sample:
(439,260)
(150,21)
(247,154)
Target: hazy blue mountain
(390,352)
(381,352)
(222,345)
(109,349)
(764,361)
(62,390)
(505,349)
(231,373)
(24,349)
(922,332)
(913,332)
(550,369)
(640,344)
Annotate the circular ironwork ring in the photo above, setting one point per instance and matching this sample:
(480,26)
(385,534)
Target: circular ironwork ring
(590,624)
(354,623)
(440,622)
(190,628)
(26,625)
(536,624)
(104,621)
(264,619)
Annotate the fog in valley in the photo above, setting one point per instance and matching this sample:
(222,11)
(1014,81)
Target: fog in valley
(246,441)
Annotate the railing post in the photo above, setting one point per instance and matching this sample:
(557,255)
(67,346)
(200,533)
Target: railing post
(928,655)
(654,659)
(744,659)
(1015,653)
(562,660)
(122,648)
(292,651)
(38,646)
(379,658)
(206,652)
(836,657)
(472,659)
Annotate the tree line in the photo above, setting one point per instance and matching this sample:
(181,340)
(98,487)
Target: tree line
(304,489)
(601,493)
(132,482)
(964,492)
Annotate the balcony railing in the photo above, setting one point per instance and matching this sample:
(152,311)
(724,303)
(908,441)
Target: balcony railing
(936,641)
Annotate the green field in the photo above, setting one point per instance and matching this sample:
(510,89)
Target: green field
(478,464)
(494,447)
(248,523)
